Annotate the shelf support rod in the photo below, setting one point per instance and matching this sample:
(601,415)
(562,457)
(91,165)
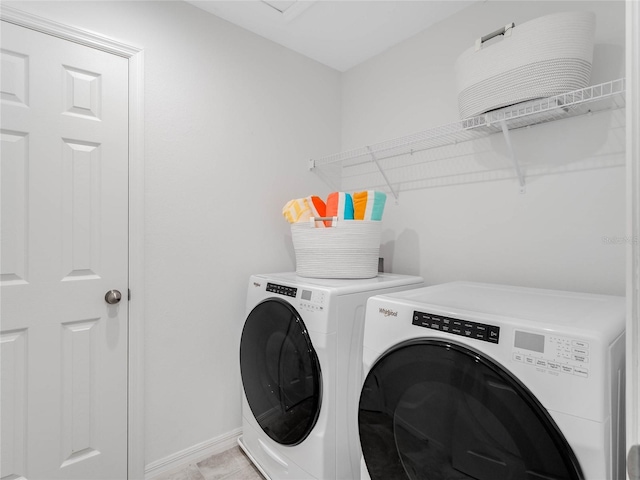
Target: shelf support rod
(512,156)
(384,175)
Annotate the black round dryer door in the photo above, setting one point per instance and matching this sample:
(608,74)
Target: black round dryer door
(436,410)
(280,372)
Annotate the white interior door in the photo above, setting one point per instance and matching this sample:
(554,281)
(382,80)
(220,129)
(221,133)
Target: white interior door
(64,194)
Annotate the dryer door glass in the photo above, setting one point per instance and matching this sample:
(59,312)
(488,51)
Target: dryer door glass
(280,372)
(436,410)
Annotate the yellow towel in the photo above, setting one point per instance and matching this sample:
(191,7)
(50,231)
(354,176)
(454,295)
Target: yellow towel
(359,204)
(297,210)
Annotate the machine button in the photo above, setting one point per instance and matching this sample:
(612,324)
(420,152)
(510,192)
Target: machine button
(481,332)
(581,372)
(493,334)
(553,366)
(418,319)
(581,358)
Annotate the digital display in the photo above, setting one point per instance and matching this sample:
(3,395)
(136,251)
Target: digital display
(306,294)
(529,341)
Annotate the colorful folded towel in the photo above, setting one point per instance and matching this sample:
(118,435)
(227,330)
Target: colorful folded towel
(297,210)
(302,209)
(340,204)
(318,209)
(368,205)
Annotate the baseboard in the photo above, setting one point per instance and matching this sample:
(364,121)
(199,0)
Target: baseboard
(192,454)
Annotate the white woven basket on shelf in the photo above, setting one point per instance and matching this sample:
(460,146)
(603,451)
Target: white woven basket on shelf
(347,249)
(543,57)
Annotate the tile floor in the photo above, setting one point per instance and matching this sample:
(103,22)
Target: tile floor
(231,464)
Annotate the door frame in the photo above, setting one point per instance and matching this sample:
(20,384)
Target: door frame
(135,58)
(633,237)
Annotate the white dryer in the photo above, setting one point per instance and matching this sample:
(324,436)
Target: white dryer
(301,366)
(489,382)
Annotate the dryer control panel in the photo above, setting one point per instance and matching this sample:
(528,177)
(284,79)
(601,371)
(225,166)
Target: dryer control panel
(455,326)
(553,353)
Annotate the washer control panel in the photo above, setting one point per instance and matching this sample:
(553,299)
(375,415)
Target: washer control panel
(552,353)
(455,326)
(310,300)
(282,290)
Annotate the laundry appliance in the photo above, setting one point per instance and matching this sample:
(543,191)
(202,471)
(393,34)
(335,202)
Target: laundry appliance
(487,382)
(301,366)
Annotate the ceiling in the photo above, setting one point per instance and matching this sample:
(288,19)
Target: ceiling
(340,34)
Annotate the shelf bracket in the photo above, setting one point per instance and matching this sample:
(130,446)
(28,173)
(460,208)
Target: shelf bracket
(384,175)
(512,156)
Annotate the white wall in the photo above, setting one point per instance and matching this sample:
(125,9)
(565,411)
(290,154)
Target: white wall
(231,120)
(551,236)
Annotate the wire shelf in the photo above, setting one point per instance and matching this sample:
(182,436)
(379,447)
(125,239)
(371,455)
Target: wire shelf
(381,165)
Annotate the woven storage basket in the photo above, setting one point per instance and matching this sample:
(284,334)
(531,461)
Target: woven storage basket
(543,57)
(347,249)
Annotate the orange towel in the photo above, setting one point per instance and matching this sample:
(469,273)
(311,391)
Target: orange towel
(318,209)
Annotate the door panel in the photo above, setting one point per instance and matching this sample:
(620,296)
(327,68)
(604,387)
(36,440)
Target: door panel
(64,215)
(280,372)
(434,409)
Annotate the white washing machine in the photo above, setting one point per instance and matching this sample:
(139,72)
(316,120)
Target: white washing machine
(301,366)
(489,382)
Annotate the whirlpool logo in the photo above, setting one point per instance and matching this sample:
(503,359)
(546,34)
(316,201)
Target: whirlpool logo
(388,313)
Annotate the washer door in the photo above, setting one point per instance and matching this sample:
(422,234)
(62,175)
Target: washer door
(280,372)
(437,410)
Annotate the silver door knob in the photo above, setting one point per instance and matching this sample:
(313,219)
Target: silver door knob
(112,297)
